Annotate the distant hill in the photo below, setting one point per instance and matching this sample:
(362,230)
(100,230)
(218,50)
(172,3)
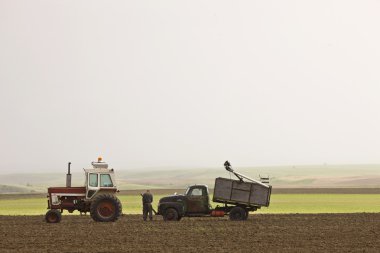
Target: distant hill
(330,176)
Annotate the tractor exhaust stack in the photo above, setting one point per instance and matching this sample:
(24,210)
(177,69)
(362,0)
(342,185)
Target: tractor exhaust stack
(68,176)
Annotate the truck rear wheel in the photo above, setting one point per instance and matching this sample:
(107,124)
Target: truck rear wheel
(246,214)
(53,216)
(171,215)
(238,213)
(105,208)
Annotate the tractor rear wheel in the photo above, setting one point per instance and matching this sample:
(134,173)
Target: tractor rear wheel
(171,214)
(53,216)
(105,208)
(238,213)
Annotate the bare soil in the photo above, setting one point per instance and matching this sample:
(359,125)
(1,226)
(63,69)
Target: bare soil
(261,232)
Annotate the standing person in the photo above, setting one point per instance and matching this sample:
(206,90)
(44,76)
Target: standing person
(147,199)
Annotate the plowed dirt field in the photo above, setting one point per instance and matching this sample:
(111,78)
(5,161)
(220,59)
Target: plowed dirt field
(261,232)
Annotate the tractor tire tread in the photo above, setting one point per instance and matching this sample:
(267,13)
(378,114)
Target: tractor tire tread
(55,213)
(98,199)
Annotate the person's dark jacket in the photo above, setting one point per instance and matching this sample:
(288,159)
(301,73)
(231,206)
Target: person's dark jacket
(147,198)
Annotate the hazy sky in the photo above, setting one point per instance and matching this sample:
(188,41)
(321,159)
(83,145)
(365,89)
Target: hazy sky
(188,83)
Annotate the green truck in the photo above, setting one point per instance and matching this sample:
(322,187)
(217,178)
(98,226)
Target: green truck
(237,199)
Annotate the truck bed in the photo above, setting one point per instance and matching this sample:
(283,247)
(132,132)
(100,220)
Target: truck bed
(231,191)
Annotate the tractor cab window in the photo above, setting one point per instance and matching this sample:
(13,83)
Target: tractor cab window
(105,180)
(196,192)
(93,181)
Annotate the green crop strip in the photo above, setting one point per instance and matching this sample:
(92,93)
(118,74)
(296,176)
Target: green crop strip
(280,203)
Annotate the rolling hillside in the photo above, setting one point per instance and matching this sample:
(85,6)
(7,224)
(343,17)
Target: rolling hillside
(330,176)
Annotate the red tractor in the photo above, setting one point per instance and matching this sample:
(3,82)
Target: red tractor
(98,196)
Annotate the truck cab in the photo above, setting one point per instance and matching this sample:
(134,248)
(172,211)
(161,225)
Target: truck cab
(195,202)
(198,201)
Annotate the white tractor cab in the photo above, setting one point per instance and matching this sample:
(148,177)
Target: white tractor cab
(99,178)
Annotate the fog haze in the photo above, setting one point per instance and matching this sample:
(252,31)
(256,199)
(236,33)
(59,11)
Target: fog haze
(188,83)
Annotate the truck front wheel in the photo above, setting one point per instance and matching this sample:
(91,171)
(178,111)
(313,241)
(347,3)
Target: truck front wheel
(171,215)
(238,213)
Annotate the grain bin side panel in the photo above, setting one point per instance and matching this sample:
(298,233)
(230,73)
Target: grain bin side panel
(240,191)
(222,189)
(260,195)
(244,186)
(240,196)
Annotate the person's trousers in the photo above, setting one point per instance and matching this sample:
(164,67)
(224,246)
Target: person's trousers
(147,209)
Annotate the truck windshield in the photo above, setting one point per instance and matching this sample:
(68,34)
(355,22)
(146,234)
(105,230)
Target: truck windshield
(194,191)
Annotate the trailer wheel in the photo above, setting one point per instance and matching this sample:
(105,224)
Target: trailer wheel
(238,213)
(105,208)
(246,214)
(53,216)
(171,214)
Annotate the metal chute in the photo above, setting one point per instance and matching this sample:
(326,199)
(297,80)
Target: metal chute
(228,167)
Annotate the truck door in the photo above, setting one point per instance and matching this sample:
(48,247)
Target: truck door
(197,200)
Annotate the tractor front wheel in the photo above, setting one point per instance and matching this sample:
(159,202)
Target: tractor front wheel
(105,208)
(53,216)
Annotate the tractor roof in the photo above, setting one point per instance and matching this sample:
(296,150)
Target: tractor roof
(99,167)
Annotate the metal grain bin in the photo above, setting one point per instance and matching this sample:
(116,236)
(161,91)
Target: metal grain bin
(239,192)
